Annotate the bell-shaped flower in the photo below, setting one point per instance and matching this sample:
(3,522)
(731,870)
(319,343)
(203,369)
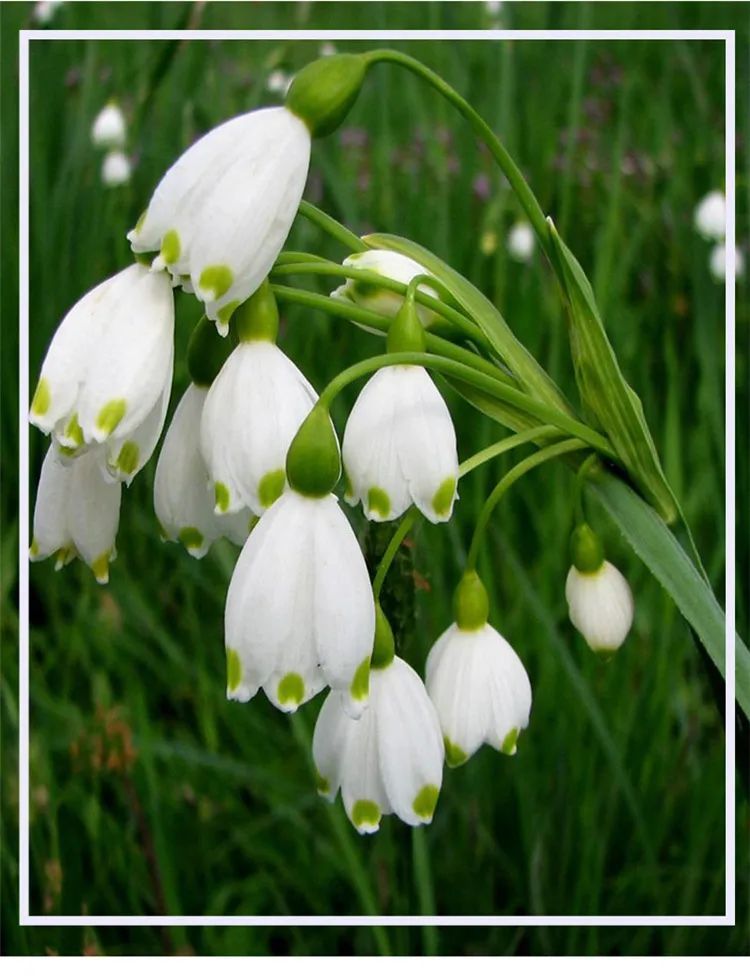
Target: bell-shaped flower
(116,169)
(600,602)
(389,264)
(717,262)
(221,213)
(183,495)
(399,447)
(77,513)
(300,613)
(477,682)
(109,362)
(390,760)
(710,216)
(109,129)
(521,242)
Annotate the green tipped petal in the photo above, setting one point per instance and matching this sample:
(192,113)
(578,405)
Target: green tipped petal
(425,802)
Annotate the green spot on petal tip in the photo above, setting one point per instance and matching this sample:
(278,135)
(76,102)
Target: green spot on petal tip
(271,487)
(322,784)
(360,687)
(378,501)
(221,496)
(111,415)
(42,399)
(170,247)
(234,670)
(225,313)
(191,538)
(215,281)
(365,812)
(100,567)
(425,802)
(127,460)
(291,689)
(454,756)
(442,501)
(34,549)
(508,745)
(74,432)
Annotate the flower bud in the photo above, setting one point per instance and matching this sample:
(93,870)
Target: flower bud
(313,463)
(322,93)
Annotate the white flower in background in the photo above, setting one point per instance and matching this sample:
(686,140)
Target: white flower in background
(600,602)
(109,129)
(390,760)
(717,262)
(109,363)
(300,612)
(183,495)
(222,212)
(278,82)
(76,514)
(326,49)
(390,264)
(478,684)
(45,10)
(253,411)
(711,215)
(400,447)
(116,169)
(521,242)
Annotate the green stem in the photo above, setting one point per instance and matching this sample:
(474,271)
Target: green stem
(531,462)
(500,447)
(581,476)
(391,550)
(323,267)
(481,381)
(331,226)
(515,178)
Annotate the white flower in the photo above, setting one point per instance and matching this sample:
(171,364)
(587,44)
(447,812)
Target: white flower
(390,759)
(300,612)
(480,689)
(253,411)
(600,605)
(45,10)
(389,264)
(400,447)
(521,242)
(221,213)
(116,169)
(76,514)
(711,215)
(109,128)
(278,82)
(326,49)
(183,497)
(717,262)
(108,363)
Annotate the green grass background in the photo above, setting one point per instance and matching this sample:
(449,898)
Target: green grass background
(615,801)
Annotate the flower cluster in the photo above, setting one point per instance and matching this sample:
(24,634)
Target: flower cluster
(710,222)
(109,132)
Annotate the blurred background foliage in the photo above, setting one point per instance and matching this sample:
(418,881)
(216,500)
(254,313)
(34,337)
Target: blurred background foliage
(149,792)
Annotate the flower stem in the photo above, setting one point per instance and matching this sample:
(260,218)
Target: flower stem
(500,447)
(531,462)
(515,178)
(407,521)
(581,476)
(331,226)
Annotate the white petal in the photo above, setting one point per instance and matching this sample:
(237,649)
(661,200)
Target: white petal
(116,169)
(93,514)
(600,606)
(390,264)
(125,374)
(409,741)
(109,127)
(329,744)
(710,216)
(370,448)
(268,609)
(362,789)
(51,532)
(343,608)
(253,411)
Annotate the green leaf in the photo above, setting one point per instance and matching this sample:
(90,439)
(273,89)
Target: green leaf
(530,375)
(604,392)
(658,548)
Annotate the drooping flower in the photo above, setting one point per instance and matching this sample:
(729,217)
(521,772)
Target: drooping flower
(711,215)
(717,262)
(45,10)
(278,82)
(108,364)
(253,411)
(116,169)
(77,513)
(299,611)
(600,602)
(389,264)
(521,242)
(109,129)
(476,680)
(221,213)
(390,760)
(399,443)
(183,496)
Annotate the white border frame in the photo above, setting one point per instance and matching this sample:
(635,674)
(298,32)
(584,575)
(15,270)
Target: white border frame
(29,919)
